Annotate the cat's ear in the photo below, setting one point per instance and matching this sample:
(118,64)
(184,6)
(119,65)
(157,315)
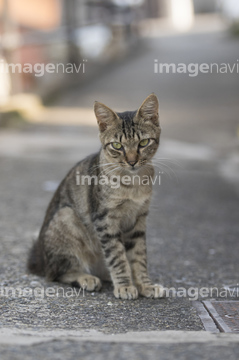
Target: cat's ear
(149,110)
(104,115)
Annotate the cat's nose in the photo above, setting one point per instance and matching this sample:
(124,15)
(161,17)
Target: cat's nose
(132,163)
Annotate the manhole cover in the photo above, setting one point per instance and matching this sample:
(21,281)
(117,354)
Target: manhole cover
(225,314)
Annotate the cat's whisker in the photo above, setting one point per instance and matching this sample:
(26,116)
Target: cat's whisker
(172,161)
(143,163)
(102,170)
(149,166)
(162,167)
(101,165)
(106,164)
(114,169)
(165,165)
(147,169)
(109,167)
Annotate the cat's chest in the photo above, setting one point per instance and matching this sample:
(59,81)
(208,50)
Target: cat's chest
(129,197)
(126,206)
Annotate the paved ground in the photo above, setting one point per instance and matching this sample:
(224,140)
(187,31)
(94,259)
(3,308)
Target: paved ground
(144,345)
(193,225)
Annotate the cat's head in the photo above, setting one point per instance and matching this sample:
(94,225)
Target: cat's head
(131,138)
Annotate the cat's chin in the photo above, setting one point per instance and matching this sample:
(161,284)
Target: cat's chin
(134,170)
(129,171)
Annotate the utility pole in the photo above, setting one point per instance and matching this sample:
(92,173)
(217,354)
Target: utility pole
(10,46)
(5,82)
(70,7)
(5,29)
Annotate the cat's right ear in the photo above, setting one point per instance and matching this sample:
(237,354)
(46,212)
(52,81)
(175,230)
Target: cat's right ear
(104,115)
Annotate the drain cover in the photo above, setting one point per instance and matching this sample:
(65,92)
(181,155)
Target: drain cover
(225,314)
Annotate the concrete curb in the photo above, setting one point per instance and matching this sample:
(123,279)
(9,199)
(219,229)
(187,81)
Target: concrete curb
(25,337)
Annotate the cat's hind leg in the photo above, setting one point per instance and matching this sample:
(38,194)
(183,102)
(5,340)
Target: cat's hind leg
(69,252)
(85,281)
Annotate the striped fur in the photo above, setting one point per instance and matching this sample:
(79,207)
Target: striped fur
(93,232)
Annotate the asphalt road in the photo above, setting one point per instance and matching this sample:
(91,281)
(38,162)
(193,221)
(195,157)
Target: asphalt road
(193,226)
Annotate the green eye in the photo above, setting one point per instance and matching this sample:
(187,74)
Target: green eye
(144,142)
(116,145)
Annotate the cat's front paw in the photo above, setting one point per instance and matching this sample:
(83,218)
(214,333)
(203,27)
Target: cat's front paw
(126,292)
(153,291)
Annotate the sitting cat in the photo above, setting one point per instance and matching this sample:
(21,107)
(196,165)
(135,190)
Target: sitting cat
(97,231)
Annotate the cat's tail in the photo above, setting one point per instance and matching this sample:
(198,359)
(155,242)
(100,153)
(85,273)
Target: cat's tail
(35,261)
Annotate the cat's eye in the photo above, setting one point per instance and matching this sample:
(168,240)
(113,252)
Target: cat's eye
(144,142)
(117,146)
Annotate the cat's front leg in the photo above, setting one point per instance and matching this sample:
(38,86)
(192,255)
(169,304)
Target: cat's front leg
(137,255)
(115,257)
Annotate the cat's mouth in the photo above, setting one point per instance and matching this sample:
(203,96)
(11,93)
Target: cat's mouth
(132,168)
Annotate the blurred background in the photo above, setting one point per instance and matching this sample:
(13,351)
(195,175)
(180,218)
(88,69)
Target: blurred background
(57,57)
(95,32)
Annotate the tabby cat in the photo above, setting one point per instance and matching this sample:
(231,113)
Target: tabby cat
(96,231)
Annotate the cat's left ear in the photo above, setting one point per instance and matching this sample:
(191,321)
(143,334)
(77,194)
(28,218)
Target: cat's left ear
(104,115)
(149,110)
